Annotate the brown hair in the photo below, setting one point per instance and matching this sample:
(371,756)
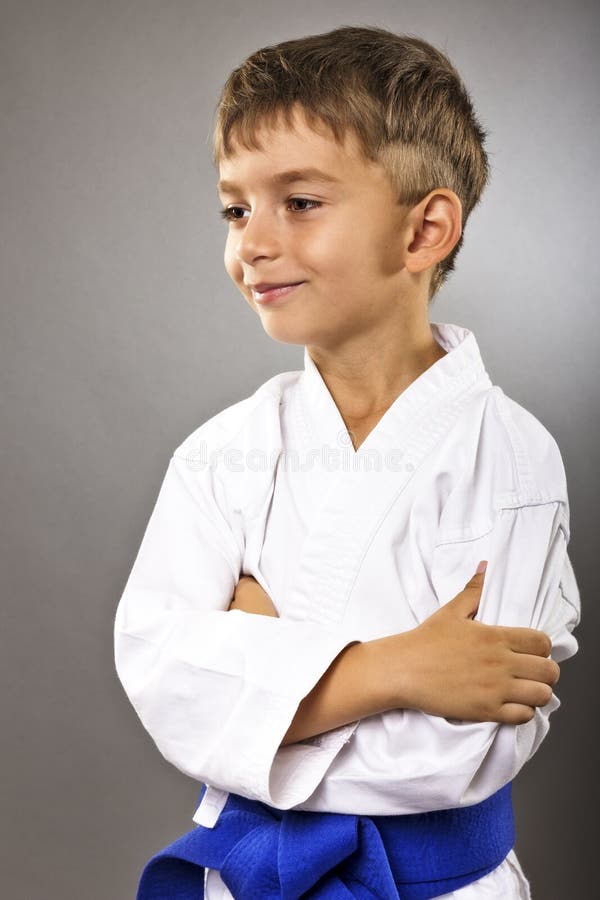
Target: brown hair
(404,100)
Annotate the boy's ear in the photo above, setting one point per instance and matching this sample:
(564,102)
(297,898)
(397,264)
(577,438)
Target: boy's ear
(434,228)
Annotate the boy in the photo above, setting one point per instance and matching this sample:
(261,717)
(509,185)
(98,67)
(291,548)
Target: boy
(296,632)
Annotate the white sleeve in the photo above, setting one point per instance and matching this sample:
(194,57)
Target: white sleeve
(410,761)
(215,689)
(529,582)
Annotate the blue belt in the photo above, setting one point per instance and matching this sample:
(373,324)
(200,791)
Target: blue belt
(264,853)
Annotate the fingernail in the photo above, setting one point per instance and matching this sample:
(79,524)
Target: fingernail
(481,567)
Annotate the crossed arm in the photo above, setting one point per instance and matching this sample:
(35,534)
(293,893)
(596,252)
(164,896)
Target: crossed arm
(450,665)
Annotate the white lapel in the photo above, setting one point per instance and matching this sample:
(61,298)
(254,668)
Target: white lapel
(357,489)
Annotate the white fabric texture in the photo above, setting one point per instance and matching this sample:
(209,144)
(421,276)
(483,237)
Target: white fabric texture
(351,546)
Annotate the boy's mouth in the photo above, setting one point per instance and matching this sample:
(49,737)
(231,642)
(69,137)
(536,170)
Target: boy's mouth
(264,292)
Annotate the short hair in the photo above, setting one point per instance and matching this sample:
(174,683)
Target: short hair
(403,99)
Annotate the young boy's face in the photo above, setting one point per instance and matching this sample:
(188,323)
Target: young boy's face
(342,238)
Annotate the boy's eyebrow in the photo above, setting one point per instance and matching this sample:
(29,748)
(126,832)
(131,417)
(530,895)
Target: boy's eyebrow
(287,177)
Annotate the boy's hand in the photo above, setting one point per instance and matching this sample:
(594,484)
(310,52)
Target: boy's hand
(250,597)
(453,666)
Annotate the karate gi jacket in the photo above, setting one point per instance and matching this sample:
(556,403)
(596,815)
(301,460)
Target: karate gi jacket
(350,546)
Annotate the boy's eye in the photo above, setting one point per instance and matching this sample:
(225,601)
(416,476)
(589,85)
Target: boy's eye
(229,212)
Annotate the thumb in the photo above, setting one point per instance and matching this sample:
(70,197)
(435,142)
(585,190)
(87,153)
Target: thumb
(468,599)
(476,582)
(474,587)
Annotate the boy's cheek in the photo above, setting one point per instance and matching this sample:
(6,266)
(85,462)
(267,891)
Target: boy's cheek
(234,270)
(233,266)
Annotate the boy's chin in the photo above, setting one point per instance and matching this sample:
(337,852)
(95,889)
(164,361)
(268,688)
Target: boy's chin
(284,333)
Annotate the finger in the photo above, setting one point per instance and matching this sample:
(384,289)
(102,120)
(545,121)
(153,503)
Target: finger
(515,713)
(535,668)
(467,602)
(528,640)
(529,693)
(477,580)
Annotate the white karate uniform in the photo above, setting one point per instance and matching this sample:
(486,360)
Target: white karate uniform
(351,546)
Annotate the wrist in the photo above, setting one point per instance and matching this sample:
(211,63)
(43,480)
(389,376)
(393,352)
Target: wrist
(388,669)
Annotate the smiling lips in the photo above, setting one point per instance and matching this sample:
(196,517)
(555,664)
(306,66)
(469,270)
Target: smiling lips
(264,293)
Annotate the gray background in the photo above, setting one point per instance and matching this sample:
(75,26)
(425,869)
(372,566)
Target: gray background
(121,332)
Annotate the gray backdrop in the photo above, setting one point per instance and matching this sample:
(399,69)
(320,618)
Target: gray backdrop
(121,333)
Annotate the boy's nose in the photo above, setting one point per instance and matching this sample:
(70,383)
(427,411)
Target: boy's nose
(258,239)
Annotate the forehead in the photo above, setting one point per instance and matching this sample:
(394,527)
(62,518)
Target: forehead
(286,153)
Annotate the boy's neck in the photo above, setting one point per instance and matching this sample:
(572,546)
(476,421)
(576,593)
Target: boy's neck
(366,374)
